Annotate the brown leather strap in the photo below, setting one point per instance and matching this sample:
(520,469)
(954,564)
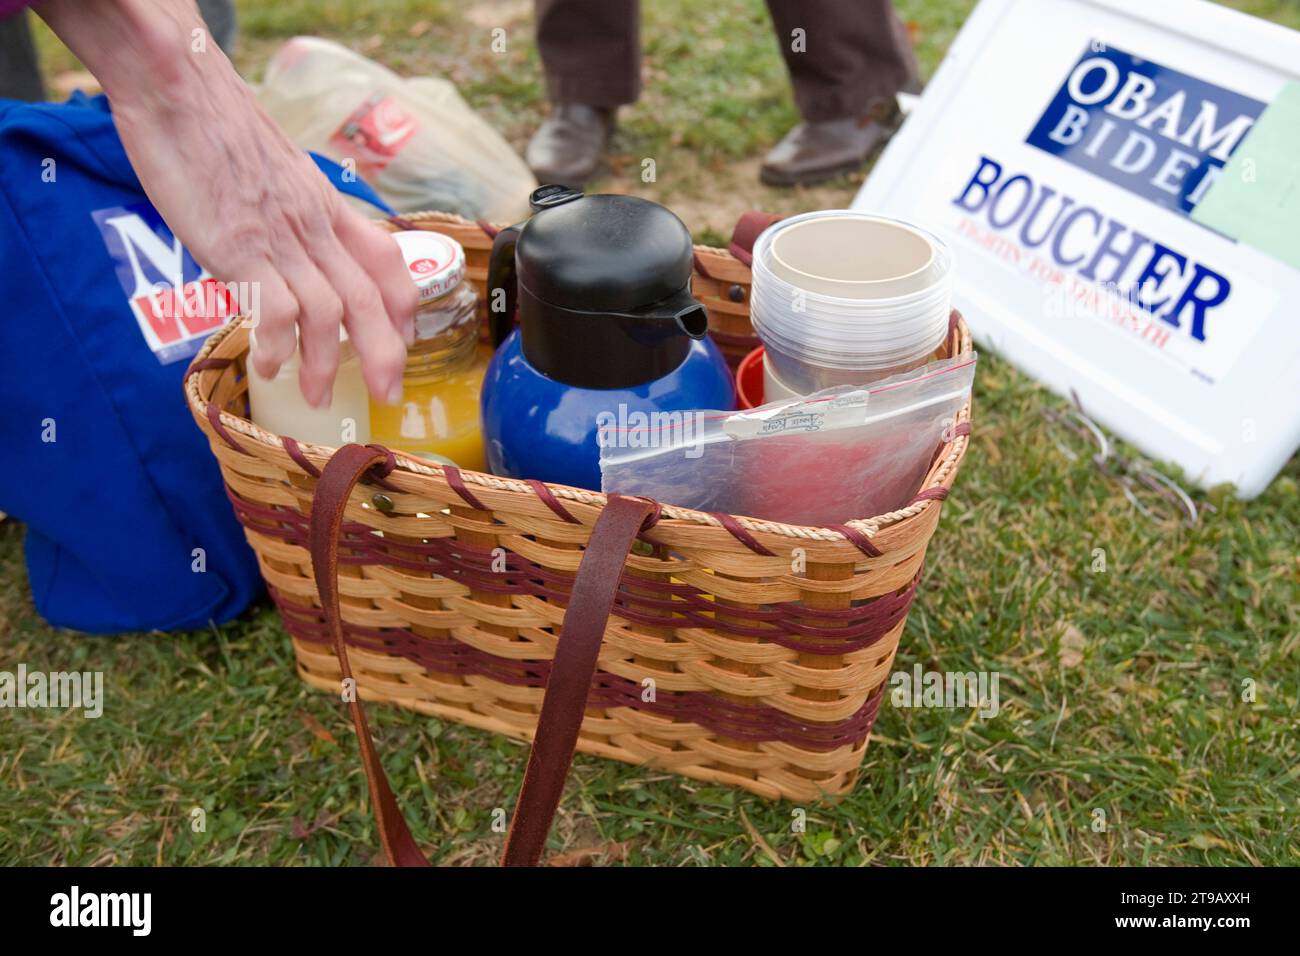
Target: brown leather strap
(328,503)
(590,602)
(564,702)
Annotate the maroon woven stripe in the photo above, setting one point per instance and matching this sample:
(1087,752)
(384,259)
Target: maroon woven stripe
(549,499)
(962,428)
(378,474)
(740,534)
(737,721)
(860,540)
(930,494)
(653,517)
(651,602)
(208,363)
(489,230)
(292,449)
(457,483)
(214,419)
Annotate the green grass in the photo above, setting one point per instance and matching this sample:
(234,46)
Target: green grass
(1142,716)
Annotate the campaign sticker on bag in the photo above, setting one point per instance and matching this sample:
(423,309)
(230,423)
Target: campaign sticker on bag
(176,302)
(375,133)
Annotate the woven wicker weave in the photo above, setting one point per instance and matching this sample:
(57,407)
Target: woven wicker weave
(740,651)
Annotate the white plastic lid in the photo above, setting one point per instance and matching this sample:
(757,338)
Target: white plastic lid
(436,263)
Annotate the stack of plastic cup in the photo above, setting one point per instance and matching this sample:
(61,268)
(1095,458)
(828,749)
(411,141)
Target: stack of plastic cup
(846,298)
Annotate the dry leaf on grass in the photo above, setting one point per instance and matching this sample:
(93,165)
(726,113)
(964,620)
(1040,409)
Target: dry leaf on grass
(587,856)
(758,839)
(300,831)
(1072,645)
(316,727)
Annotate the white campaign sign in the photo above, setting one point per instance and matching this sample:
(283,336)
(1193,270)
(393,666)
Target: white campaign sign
(1059,149)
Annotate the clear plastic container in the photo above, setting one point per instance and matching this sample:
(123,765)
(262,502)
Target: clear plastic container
(277,404)
(438,416)
(890,315)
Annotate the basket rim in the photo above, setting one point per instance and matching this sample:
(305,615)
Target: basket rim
(934,488)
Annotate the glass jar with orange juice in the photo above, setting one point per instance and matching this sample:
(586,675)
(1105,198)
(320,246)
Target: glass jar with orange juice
(438,416)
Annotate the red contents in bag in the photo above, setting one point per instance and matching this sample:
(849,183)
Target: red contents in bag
(374,133)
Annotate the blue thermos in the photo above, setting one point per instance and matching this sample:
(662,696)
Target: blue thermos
(607,324)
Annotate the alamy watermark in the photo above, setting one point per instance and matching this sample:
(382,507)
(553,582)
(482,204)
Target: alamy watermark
(951,689)
(57,689)
(74,908)
(207,298)
(632,428)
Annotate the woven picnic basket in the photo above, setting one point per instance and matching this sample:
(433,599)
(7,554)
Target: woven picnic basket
(720,647)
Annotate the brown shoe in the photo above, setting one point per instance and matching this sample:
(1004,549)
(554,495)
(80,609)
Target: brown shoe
(815,152)
(569,147)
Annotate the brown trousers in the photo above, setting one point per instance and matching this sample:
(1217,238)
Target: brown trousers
(850,52)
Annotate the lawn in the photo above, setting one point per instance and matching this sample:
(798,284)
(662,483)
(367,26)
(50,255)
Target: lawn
(1149,710)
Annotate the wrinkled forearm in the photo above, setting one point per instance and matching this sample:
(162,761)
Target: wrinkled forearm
(146,54)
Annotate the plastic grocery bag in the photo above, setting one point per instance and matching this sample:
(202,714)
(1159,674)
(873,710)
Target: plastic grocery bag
(415,140)
(843,453)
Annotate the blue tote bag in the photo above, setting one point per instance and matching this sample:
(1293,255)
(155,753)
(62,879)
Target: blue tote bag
(128,527)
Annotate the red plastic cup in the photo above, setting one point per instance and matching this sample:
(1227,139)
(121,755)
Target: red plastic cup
(749,379)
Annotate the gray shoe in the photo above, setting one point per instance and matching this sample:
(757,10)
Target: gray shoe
(815,152)
(569,147)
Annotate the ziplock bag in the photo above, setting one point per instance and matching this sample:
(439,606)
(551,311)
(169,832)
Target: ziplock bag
(843,453)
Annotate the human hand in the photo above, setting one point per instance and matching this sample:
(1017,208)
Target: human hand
(249,205)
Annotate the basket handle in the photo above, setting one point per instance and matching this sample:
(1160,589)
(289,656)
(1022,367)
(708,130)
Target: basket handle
(565,700)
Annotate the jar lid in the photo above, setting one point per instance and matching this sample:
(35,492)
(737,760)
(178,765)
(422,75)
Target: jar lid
(436,263)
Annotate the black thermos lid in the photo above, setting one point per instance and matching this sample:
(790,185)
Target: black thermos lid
(604,289)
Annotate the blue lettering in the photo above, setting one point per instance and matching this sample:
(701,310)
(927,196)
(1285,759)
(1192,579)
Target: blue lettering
(1160,270)
(1123,258)
(1047,193)
(1153,271)
(984,184)
(1029,194)
(1066,223)
(1199,306)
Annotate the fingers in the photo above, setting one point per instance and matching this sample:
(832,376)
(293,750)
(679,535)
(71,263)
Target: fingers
(321,264)
(381,259)
(373,334)
(274,314)
(284,269)
(320,311)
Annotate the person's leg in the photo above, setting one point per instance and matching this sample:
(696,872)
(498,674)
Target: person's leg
(850,54)
(20,71)
(847,60)
(591,54)
(591,51)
